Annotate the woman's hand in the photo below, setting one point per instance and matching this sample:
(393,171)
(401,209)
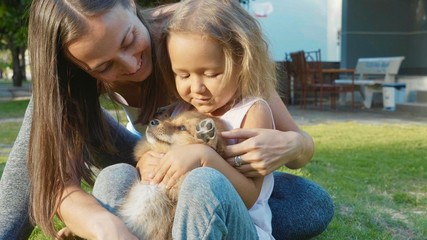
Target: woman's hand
(116,231)
(178,161)
(262,151)
(113,228)
(86,218)
(64,233)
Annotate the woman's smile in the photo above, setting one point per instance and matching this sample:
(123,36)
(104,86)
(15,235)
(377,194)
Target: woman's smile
(116,48)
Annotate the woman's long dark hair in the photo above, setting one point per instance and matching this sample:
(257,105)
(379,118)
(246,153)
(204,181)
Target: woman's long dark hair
(69,133)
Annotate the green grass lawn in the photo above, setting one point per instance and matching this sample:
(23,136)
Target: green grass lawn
(13,109)
(376,174)
(9,129)
(377,177)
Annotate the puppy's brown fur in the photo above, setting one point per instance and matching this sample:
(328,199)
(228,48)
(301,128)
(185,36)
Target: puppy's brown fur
(148,210)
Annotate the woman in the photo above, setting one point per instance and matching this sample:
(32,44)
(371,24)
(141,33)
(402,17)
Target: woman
(78,50)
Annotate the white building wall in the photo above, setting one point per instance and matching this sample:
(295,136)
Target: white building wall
(334,16)
(302,25)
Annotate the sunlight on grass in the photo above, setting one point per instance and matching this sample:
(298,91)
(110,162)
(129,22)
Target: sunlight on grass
(9,131)
(376,175)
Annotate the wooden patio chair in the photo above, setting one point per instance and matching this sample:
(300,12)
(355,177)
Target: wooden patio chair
(309,78)
(287,75)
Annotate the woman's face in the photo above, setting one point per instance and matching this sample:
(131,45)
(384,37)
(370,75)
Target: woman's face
(116,49)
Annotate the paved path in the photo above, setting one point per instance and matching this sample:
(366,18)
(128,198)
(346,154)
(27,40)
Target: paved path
(376,115)
(8,93)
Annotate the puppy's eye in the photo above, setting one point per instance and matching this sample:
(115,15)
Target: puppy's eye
(181,128)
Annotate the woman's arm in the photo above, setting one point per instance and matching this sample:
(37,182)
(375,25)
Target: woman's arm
(265,150)
(85,217)
(303,141)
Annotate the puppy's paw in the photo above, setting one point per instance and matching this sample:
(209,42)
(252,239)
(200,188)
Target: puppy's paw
(206,130)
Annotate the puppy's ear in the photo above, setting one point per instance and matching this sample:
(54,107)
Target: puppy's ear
(165,112)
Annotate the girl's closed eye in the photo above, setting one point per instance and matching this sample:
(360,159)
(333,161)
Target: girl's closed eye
(212,75)
(182,76)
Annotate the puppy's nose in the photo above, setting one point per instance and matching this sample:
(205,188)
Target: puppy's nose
(154,122)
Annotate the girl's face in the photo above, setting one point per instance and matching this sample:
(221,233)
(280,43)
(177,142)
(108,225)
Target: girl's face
(199,66)
(116,49)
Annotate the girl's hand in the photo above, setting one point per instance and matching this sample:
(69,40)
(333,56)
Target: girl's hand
(147,165)
(178,161)
(262,151)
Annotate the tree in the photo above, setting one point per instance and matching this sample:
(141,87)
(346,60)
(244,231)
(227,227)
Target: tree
(13,35)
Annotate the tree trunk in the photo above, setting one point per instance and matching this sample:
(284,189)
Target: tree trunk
(22,63)
(17,73)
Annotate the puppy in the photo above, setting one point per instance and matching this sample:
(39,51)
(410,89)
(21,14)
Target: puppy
(148,210)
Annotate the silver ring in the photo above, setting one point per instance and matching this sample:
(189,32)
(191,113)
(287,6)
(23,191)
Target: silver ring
(237,161)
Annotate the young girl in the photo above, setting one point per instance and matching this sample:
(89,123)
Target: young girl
(220,64)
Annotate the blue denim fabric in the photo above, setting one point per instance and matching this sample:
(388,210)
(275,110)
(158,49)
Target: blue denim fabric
(301,208)
(113,183)
(208,207)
